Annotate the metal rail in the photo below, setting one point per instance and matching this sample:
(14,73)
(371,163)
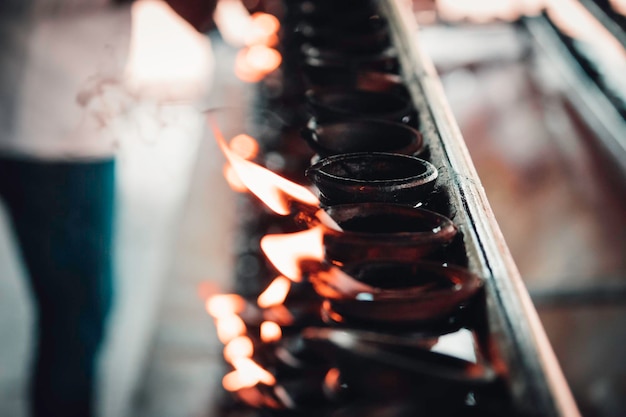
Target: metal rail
(520,343)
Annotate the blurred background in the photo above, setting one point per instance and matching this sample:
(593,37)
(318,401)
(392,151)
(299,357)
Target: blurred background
(538,90)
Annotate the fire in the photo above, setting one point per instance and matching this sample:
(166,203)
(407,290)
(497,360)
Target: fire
(245,146)
(263,29)
(229,327)
(250,370)
(332,378)
(239,347)
(223,305)
(234,182)
(236,380)
(275,293)
(275,191)
(334,283)
(287,251)
(252,64)
(270,332)
(279,314)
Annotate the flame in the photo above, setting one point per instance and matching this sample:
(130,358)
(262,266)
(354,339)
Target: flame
(239,347)
(223,305)
(239,28)
(279,314)
(233,180)
(334,283)
(275,191)
(245,146)
(270,332)
(250,370)
(252,64)
(286,251)
(331,380)
(229,327)
(236,380)
(263,29)
(275,293)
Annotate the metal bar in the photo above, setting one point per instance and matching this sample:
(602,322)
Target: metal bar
(534,375)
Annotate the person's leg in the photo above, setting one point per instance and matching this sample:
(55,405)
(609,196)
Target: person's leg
(62,215)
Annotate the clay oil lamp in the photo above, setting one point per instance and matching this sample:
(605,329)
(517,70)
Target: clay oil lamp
(395,294)
(363,136)
(329,105)
(382,231)
(373,177)
(377,369)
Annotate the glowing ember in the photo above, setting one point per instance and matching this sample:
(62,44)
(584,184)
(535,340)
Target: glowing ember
(275,293)
(270,332)
(229,327)
(239,347)
(245,146)
(275,191)
(251,370)
(331,380)
(224,305)
(287,251)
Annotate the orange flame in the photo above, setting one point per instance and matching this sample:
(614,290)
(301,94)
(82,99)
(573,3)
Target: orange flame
(279,314)
(246,374)
(331,380)
(275,293)
(223,305)
(239,347)
(253,63)
(263,29)
(275,191)
(229,327)
(250,371)
(270,332)
(245,146)
(334,283)
(286,251)
(234,182)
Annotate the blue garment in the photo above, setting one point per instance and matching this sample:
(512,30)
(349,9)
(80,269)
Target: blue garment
(62,215)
